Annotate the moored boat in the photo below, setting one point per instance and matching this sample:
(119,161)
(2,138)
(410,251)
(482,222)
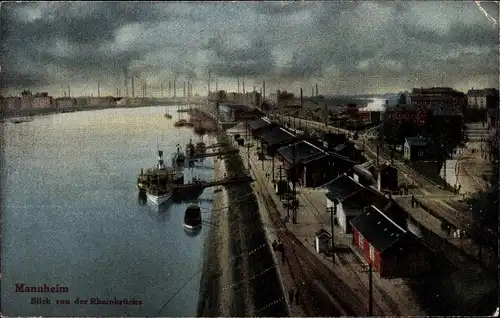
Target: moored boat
(192,217)
(158,196)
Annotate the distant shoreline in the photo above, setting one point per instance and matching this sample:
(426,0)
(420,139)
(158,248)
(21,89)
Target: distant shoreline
(50,111)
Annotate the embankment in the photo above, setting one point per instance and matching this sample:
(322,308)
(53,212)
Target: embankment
(239,275)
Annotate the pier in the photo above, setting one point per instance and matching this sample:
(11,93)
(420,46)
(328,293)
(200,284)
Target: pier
(207,184)
(212,154)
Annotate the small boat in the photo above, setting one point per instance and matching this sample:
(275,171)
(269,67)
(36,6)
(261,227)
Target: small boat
(180,123)
(168,116)
(178,158)
(192,217)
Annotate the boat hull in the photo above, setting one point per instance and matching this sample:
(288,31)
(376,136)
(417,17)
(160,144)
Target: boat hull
(158,199)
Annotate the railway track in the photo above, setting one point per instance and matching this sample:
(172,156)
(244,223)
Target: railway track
(320,289)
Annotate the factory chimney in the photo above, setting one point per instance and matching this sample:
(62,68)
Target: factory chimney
(175,91)
(184,89)
(216,85)
(238,85)
(98,89)
(312,91)
(69,91)
(317,92)
(161,88)
(169,89)
(133,88)
(125,73)
(264,90)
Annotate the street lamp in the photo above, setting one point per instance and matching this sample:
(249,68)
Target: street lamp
(333,213)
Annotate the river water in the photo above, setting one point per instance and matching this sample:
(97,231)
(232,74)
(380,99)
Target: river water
(71,216)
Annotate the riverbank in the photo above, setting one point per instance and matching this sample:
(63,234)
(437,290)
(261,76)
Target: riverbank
(51,111)
(239,274)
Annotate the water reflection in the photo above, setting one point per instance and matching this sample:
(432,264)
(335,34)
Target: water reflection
(160,213)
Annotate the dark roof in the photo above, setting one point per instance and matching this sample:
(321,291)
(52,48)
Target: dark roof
(304,151)
(340,147)
(322,232)
(260,123)
(342,188)
(383,167)
(377,228)
(236,106)
(275,134)
(416,141)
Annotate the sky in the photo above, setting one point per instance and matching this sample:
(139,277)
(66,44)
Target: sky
(346,47)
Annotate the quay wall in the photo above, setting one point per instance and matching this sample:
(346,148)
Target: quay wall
(237,253)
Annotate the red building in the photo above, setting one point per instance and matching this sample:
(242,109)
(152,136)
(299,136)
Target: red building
(392,251)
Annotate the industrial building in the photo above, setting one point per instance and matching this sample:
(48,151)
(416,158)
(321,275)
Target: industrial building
(258,124)
(393,251)
(436,96)
(236,112)
(313,165)
(274,137)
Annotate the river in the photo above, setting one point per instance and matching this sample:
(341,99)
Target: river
(71,216)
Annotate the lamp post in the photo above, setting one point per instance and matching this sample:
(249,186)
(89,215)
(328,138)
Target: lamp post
(333,212)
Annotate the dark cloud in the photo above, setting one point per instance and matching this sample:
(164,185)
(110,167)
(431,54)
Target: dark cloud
(48,43)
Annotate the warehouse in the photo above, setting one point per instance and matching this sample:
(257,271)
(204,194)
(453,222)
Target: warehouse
(393,251)
(256,125)
(313,164)
(416,148)
(274,137)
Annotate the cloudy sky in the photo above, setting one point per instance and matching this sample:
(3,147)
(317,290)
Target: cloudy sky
(345,47)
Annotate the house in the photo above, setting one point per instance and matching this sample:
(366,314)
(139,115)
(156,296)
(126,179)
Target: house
(364,173)
(312,164)
(416,148)
(448,116)
(348,198)
(436,95)
(482,98)
(258,124)
(393,251)
(322,241)
(274,137)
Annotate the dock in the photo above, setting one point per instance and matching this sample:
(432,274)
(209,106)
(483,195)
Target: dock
(213,154)
(207,184)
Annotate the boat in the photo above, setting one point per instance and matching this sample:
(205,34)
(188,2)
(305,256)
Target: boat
(192,217)
(201,148)
(190,150)
(180,123)
(168,116)
(161,177)
(178,158)
(158,196)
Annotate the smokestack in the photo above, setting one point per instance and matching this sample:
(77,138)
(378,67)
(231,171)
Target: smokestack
(117,92)
(301,100)
(64,94)
(169,89)
(133,88)
(317,93)
(254,97)
(98,89)
(69,91)
(209,81)
(243,87)
(175,91)
(145,89)
(264,90)
(184,89)
(238,85)
(161,89)
(312,91)
(125,73)
(216,85)
(277,97)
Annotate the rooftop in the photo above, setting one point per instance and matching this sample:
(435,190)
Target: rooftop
(342,188)
(304,152)
(416,141)
(260,123)
(446,110)
(275,134)
(377,228)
